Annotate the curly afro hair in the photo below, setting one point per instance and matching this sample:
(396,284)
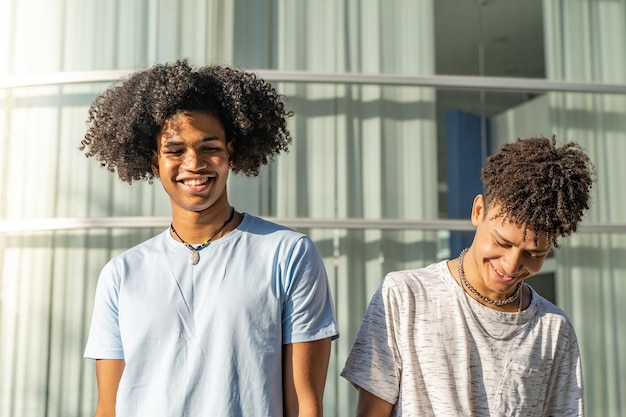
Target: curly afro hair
(540,186)
(126,119)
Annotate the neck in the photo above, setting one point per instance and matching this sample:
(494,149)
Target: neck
(462,270)
(196,228)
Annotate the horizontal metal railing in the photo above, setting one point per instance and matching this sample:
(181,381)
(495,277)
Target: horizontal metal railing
(437,81)
(139,222)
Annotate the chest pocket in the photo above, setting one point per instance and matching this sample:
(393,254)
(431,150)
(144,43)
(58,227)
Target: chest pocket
(520,393)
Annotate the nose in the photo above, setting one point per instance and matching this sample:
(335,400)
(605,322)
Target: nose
(512,262)
(192,161)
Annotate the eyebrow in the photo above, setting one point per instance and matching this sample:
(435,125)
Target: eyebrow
(505,240)
(175,142)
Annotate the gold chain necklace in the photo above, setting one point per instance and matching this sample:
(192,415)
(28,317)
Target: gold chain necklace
(194,256)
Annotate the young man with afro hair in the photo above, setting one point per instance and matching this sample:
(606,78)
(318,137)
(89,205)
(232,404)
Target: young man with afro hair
(467,337)
(223,313)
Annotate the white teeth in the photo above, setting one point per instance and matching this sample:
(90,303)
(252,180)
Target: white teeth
(504,275)
(499,273)
(195,182)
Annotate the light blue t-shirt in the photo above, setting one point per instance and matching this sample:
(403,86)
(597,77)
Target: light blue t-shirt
(207,339)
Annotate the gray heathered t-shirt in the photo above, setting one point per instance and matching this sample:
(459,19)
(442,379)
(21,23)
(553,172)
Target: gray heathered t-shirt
(430,349)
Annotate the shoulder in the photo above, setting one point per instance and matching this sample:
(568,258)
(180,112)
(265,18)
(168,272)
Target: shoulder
(257,225)
(553,321)
(546,310)
(153,247)
(147,246)
(270,234)
(415,279)
(406,288)
(117,270)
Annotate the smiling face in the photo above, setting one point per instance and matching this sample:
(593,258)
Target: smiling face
(500,257)
(192,161)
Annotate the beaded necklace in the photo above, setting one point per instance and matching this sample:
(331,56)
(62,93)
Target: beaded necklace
(194,256)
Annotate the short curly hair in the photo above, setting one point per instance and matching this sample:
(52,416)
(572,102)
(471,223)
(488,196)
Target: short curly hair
(125,120)
(539,186)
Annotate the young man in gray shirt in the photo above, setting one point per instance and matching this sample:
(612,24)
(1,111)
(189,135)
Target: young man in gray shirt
(467,337)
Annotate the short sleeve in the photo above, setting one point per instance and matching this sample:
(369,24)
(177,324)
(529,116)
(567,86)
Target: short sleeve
(308,312)
(565,388)
(104,341)
(374,361)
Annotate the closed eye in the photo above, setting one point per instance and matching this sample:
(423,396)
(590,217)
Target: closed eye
(210,149)
(536,255)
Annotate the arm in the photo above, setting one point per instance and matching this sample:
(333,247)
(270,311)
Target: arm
(304,375)
(370,405)
(108,374)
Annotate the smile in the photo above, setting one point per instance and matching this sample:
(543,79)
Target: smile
(194,182)
(503,276)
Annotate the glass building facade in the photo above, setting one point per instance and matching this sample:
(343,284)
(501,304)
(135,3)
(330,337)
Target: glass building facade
(396,104)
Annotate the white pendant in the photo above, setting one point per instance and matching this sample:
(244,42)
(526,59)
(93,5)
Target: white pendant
(194,257)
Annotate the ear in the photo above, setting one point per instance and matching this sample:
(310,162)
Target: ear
(478,209)
(231,152)
(154,162)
